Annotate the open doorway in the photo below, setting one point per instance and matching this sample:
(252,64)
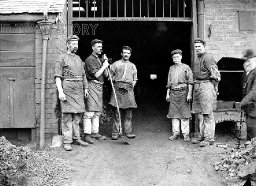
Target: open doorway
(151,42)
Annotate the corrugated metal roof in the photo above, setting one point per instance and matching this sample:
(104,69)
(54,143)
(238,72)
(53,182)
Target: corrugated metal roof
(31,6)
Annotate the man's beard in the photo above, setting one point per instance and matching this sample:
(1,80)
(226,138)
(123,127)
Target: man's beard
(74,50)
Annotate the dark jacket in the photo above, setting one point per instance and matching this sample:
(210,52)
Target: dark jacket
(248,103)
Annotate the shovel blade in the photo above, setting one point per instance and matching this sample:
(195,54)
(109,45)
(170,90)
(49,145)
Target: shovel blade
(57,141)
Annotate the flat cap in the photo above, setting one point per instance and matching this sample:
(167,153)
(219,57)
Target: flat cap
(72,38)
(177,51)
(199,40)
(96,41)
(249,53)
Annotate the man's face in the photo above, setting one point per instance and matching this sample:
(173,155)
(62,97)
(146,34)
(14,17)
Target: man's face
(73,46)
(176,58)
(199,48)
(126,54)
(249,64)
(97,48)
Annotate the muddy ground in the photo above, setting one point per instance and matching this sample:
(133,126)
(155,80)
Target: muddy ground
(151,159)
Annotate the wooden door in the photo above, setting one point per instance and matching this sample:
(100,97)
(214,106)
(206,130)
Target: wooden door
(17,78)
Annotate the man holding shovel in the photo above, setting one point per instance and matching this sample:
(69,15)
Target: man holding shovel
(72,88)
(124,75)
(95,71)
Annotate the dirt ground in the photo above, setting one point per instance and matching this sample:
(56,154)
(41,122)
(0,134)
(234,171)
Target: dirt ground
(151,159)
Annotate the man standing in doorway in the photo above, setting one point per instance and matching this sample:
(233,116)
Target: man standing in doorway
(206,78)
(95,71)
(124,75)
(72,88)
(248,103)
(179,94)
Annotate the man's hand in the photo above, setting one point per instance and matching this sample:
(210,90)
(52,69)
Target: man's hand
(167,98)
(189,97)
(105,58)
(105,64)
(86,93)
(62,96)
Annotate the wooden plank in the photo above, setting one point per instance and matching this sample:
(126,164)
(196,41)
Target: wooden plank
(17,42)
(12,58)
(24,18)
(17,94)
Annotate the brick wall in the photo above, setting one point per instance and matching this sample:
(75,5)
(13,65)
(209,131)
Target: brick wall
(225,39)
(56,46)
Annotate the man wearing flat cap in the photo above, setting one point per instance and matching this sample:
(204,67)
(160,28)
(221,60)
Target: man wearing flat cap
(206,77)
(95,70)
(179,94)
(72,87)
(248,103)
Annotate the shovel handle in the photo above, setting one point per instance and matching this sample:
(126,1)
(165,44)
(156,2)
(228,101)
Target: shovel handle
(115,96)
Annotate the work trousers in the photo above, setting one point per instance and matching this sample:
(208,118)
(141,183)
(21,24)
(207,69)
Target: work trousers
(251,127)
(70,126)
(91,122)
(180,123)
(207,126)
(127,113)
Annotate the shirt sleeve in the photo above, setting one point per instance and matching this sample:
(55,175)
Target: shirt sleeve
(212,67)
(189,75)
(134,73)
(59,67)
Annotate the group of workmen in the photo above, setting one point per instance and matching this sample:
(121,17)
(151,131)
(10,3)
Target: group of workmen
(80,90)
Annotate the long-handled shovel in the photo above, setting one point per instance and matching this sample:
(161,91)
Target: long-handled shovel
(126,140)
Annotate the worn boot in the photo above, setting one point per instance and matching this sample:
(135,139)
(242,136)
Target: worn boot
(197,140)
(96,135)
(130,135)
(186,138)
(88,138)
(115,136)
(80,142)
(67,147)
(173,137)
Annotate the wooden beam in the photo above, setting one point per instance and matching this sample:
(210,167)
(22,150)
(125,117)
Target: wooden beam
(174,19)
(70,15)
(25,17)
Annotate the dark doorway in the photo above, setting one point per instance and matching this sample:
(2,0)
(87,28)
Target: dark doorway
(151,42)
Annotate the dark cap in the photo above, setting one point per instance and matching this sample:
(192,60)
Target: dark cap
(72,38)
(249,53)
(177,51)
(199,40)
(96,41)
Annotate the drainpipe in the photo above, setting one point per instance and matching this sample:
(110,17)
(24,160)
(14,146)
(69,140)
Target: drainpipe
(45,27)
(200,18)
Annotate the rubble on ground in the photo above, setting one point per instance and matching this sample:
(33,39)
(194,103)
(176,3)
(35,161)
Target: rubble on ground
(22,166)
(238,165)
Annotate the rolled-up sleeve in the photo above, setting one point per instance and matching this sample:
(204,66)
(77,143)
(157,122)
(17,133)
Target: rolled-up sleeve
(59,67)
(134,73)
(189,76)
(212,67)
